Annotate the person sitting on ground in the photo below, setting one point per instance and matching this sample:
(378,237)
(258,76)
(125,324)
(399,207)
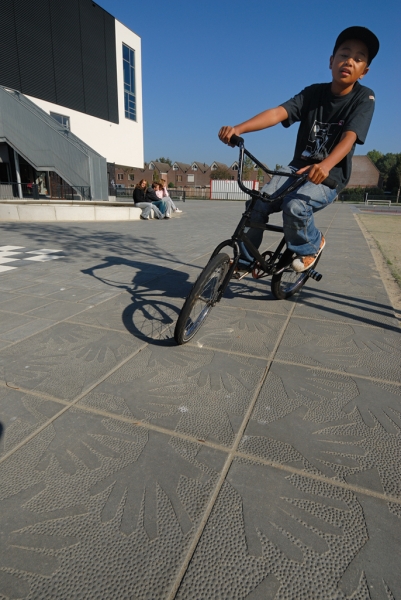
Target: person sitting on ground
(152,197)
(139,197)
(162,184)
(166,199)
(333,118)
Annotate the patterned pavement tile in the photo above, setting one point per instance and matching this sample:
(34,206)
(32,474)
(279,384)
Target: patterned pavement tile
(99,508)
(23,303)
(367,351)
(21,415)
(347,427)
(245,331)
(273,535)
(64,360)
(346,307)
(197,392)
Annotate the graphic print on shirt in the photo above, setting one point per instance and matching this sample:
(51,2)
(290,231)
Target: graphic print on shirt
(322,138)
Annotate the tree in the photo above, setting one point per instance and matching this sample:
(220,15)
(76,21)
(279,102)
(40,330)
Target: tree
(247,170)
(162,159)
(374,155)
(389,166)
(221,173)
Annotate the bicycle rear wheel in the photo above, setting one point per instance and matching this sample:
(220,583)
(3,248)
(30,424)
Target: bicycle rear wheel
(289,282)
(201,299)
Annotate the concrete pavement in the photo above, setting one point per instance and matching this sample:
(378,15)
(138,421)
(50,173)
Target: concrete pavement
(260,461)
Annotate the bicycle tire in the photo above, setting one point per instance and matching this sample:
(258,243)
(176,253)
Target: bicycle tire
(289,282)
(201,299)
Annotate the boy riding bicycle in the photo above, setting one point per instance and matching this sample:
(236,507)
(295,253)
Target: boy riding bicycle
(333,118)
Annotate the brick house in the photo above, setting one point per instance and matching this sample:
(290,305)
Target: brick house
(364,173)
(128,177)
(178,175)
(197,174)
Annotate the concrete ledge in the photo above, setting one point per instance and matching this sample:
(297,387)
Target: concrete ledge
(62,210)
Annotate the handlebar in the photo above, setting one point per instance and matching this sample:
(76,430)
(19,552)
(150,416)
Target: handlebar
(236,140)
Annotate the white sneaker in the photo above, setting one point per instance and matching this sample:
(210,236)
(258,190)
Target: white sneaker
(178,210)
(303,263)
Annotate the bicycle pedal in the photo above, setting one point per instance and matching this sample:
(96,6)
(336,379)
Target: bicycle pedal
(238,275)
(315,275)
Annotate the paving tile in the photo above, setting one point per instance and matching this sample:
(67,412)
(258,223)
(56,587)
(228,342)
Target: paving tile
(72,294)
(99,297)
(22,415)
(198,392)
(142,314)
(57,310)
(15,281)
(26,330)
(105,501)
(7,296)
(277,535)
(255,294)
(42,289)
(64,360)
(347,427)
(23,304)
(245,331)
(367,351)
(9,321)
(347,308)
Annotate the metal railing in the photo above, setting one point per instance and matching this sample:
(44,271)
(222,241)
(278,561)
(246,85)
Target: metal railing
(10,190)
(124,193)
(31,191)
(68,192)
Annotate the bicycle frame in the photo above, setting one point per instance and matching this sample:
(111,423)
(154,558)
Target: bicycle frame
(239,235)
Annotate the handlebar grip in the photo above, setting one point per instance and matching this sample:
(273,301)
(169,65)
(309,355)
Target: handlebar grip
(330,183)
(235,140)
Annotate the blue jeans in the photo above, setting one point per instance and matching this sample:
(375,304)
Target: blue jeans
(301,235)
(161,205)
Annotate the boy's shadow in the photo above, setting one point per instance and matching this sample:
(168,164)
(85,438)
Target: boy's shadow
(157,295)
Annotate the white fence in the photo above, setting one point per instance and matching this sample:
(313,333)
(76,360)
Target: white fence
(221,189)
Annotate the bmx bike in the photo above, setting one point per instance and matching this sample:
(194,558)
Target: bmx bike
(221,268)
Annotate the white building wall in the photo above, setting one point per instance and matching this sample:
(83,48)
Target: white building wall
(120,143)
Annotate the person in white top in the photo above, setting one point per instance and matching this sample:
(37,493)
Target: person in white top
(163,188)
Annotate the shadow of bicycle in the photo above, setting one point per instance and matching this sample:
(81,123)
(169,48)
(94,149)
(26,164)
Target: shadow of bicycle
(157,294)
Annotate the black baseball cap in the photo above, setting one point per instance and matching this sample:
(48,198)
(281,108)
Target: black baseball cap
(359,33)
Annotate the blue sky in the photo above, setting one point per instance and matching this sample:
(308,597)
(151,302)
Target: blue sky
(212,63)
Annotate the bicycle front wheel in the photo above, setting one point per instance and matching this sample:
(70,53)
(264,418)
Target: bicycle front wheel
(289,282)
(201,299)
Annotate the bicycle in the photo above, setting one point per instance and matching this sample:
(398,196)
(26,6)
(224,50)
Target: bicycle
(215,277)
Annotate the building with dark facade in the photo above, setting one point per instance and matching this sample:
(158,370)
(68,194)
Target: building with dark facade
(82,67)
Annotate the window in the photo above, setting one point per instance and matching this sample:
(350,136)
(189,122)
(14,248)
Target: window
(234,167)
(131,177)
(129,83)
(61,119)
(191,178)
(194,167)
(179,177)
(175,167)
(120,176)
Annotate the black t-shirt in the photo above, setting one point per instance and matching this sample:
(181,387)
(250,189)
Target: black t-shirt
(323,118)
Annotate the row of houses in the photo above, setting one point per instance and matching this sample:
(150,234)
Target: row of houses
(198,174)
(178,174)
